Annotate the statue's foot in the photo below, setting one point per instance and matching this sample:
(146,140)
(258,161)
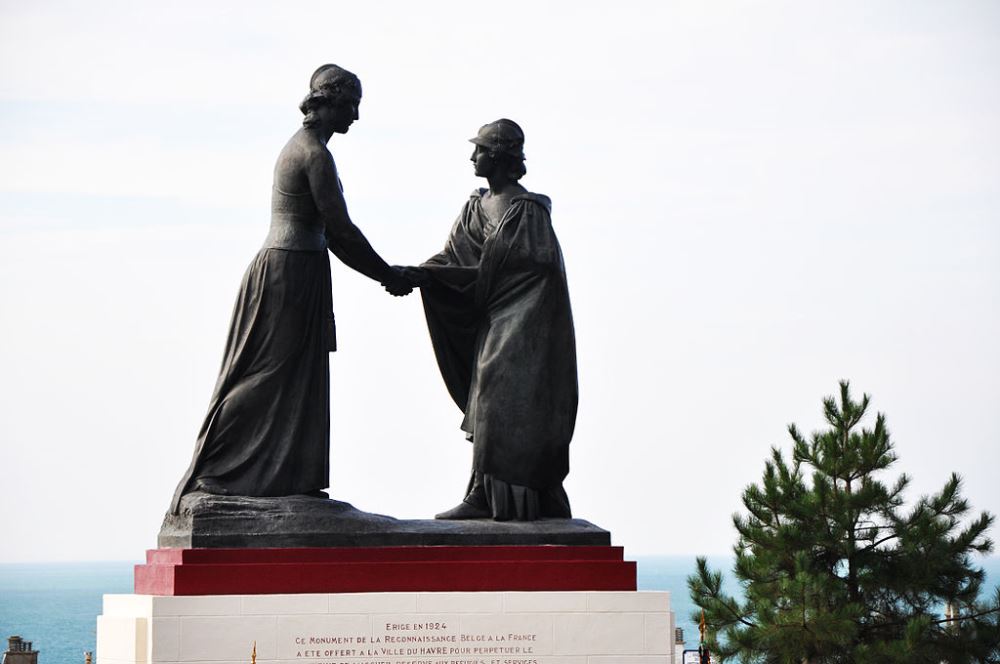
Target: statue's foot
(464,510)
(316,494)
(210,486)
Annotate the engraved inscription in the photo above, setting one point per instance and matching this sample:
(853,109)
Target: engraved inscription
(411,640)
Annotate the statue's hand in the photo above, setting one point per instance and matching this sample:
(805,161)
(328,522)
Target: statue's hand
(398,291)
(398,285)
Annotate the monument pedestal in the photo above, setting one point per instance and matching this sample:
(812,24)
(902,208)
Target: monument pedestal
(315,581)
(389,628)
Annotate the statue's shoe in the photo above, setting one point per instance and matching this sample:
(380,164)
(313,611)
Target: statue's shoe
(211,486)
(464,511)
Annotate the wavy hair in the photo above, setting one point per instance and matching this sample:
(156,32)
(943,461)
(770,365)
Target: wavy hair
(328,85)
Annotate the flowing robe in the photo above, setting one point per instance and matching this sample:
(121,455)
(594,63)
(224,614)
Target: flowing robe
(499,316)
(267,431)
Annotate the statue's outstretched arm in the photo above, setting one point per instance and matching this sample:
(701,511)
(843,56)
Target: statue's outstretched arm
(346,240)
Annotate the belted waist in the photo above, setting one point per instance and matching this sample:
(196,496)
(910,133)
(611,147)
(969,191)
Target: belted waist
(295,233)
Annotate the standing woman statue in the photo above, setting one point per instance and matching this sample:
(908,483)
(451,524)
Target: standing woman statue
(499,315)
(267,432)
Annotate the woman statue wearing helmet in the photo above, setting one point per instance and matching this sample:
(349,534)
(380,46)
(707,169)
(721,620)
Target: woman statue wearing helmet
(498,311)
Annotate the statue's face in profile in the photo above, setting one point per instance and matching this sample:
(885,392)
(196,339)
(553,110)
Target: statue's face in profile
(342,113)
(485,164)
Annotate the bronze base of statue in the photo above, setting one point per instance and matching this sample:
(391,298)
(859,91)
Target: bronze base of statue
(211,521)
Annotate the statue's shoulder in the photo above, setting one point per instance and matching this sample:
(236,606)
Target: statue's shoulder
(538,199)
(473,201)
(303,151)
(306,143)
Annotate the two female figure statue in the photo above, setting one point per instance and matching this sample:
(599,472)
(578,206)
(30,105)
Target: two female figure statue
(497,308)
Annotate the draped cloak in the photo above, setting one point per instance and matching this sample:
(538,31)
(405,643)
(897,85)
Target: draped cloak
(499,316)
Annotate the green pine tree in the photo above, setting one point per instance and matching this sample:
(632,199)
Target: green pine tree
(834,567)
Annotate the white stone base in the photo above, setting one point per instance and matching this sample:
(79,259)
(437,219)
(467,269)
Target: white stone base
(389,628)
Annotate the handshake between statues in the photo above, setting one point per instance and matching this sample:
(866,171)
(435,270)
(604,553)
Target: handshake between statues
(406,279)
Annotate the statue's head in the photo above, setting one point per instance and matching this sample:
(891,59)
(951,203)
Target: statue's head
(334,95)
(502,142)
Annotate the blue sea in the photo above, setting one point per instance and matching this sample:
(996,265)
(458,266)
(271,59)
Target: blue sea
(55,605)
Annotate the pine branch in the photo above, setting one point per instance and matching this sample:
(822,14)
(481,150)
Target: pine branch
(971,616)
(941,621)
(878,543)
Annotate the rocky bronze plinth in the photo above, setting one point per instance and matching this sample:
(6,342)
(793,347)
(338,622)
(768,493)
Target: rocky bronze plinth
(210,521)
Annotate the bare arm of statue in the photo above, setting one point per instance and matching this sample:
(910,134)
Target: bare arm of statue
(346,240)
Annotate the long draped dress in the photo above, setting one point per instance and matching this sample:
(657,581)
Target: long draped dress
(267,431)
(499,316)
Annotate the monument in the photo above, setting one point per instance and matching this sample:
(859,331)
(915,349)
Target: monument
(253,551)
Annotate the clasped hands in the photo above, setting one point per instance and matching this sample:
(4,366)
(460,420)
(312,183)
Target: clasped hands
(405,279)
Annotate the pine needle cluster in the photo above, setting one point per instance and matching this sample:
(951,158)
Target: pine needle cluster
(834,567)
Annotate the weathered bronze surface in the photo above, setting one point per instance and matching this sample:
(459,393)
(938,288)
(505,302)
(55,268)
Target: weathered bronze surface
(498,311)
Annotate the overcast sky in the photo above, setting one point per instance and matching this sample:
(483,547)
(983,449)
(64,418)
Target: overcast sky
(754,199)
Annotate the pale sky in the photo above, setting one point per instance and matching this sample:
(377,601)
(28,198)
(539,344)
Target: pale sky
(754,199)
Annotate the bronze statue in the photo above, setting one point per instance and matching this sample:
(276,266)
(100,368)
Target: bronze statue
(498,310)
(267,432)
